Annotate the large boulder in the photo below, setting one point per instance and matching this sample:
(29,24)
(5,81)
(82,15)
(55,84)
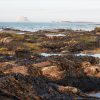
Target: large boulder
(6,40)
(92,70)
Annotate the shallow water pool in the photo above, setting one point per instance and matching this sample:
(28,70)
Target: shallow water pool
(56,35)
(46,54)
(95,95)
(1,29)
(20,33)
(94,55)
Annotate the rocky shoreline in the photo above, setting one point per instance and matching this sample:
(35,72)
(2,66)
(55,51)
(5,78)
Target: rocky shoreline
(25,74)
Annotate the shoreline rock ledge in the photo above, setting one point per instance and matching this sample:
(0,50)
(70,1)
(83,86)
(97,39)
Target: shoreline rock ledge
(22,19)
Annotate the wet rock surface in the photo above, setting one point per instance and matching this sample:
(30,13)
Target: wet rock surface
(27,75)
(56,72)
(5,40)
(25,87)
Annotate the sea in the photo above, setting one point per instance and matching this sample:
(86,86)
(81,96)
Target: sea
(36,26)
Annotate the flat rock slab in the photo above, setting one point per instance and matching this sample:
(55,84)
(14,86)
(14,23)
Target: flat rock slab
(53,72)
(18,69)
(6,63)
(49,70)
(42,64)
(92,70)
(8,67)
(6,40)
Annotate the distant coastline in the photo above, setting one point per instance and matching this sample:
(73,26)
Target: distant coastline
(71,22)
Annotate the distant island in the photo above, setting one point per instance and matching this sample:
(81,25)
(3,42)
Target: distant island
(71,22)
(22,19)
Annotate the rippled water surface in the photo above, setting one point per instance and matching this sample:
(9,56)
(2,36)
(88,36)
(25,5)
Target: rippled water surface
(36,26)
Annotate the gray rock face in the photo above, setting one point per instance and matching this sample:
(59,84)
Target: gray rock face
(22,19)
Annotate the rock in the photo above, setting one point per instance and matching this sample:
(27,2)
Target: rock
(68,65)
(21,52)
(21,87)
(98,33)
(22,19)
(86,64)
(75,73)
(42,64)
(6,40)
(87,70)
(92,70)
(35,71)
(49,70)
(17,69)
(67,88)
(52,73)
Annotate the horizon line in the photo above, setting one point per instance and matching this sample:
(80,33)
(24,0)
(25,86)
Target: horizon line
(54,22)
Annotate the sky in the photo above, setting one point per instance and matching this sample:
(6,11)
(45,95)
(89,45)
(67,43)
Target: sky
(50,10)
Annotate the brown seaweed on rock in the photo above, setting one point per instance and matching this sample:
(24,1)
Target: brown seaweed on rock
(26,87)
(70,62)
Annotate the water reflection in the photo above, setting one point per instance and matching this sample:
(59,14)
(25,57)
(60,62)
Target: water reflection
(94,93)
(94,55)
(56,35)
(1,29)
(20,33)
(46,55)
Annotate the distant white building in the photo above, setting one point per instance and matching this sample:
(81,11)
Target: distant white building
(22,19)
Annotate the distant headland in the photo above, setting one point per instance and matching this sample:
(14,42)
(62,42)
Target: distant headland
(71,22)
